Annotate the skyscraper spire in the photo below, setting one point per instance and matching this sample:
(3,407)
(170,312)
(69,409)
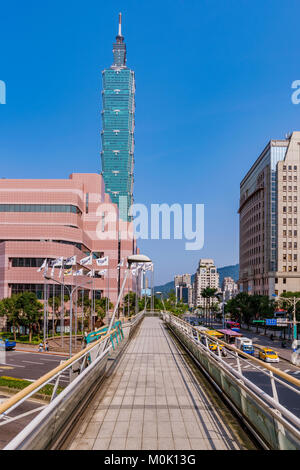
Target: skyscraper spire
(119,48)
(120,25)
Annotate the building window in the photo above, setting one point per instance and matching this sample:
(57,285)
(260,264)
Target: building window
(284,280)
(39,208)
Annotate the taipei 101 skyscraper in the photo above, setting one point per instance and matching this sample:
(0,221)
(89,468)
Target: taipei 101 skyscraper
(117,134)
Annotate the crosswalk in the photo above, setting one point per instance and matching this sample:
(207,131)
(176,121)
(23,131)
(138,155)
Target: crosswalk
(252,367)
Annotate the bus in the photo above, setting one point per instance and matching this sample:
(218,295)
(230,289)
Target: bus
(230,335)
(232,325)
(280,314)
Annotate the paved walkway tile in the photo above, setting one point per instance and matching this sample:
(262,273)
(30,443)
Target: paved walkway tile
(152,402)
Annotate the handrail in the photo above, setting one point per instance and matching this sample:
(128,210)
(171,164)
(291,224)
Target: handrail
(30,388)
(276,371)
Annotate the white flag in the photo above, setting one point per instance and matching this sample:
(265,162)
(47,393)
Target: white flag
(148,267)
(134,272)
(60,271)
(43,265)
(102,273)
(86,261)
(121,263)
(45,269)
(91,273)
(70,261)
(52,271)
(133,265)
(102,261)
(79,272)
(58,261)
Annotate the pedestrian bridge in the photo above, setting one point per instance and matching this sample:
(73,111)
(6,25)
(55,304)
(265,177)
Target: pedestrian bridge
(146,392)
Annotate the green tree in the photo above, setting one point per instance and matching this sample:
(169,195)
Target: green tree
(9,310)
(29,310)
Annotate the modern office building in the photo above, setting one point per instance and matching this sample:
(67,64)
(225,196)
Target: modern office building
(229,288)
(117,156)
(269,220)
(42,219)
(205,276)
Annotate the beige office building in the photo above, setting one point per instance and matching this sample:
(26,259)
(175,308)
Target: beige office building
(269,217)
(206,276)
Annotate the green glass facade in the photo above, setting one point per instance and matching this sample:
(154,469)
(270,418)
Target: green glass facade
(117,134)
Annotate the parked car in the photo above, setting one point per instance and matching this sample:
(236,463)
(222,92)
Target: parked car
(9,345)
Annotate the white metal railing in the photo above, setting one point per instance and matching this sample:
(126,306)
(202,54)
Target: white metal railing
(85,369)
(198,342)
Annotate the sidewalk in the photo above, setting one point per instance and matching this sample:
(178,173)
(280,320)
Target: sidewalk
(33,348)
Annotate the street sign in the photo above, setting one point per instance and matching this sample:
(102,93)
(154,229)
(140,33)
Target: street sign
(282,321)
(258,321)
(271,321)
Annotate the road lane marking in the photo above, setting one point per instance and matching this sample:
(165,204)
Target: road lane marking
(14,365)
(32,362)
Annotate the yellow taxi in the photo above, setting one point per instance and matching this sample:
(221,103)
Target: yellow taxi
(268,355)
(214,347)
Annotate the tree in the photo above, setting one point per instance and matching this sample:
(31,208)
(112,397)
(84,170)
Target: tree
(208,293)
(55,303)
(9,310)
(29,310)
(130,298)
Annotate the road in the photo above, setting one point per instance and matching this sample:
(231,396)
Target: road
(257,374)
(31,365)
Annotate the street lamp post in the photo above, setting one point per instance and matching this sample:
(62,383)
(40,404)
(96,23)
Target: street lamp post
(162,299)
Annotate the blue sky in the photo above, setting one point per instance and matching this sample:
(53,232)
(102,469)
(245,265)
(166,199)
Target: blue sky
(213,85)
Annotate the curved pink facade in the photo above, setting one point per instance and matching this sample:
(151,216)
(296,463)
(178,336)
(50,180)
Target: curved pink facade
(29,230)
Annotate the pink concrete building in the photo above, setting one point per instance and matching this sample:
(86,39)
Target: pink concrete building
(63,217)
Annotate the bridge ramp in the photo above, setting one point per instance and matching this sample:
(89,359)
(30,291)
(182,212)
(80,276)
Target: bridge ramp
(152,401)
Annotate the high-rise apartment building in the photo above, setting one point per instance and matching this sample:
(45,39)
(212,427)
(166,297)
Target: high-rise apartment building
(206,276)
(117,134)
(269,220)
(229,288)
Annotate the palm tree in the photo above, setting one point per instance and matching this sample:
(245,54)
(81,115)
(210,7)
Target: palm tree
(208,293)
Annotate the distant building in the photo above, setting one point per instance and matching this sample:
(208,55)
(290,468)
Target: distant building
(206,276)
(229,288)
(183,288)
(269,220)
(118,128)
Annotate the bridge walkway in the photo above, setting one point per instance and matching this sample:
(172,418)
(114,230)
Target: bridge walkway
(153,401)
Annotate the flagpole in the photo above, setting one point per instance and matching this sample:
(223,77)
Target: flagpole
(75,341)
(63,304)
(108,290)
(53,295)
(82,312)
(44,326)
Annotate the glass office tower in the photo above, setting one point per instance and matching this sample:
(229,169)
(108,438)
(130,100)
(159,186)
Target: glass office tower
(118,128)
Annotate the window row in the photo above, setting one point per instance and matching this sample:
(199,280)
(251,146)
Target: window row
(289,167)
(289,221)
(290,233)
(39,208)
(289,269)
(289,245)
